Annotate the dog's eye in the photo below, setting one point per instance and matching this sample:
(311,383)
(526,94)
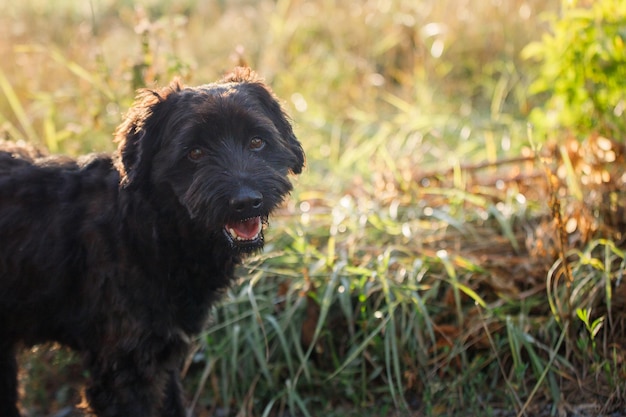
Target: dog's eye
(195,154)
(256,144)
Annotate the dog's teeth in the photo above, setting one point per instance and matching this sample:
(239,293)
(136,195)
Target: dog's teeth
(243,235)
(238,238)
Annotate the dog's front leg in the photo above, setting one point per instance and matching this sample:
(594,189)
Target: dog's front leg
(127,389)
(173,401)
(8,381)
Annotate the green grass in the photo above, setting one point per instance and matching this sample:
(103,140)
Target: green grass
(435,258)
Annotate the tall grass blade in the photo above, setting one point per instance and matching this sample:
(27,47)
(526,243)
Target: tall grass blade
(392,361)
(208,367)
(296,404)
(545,370)
(325,304)
(283,341)
(573,183)
(17,108)
(506,225)
(358,350)
(83,73)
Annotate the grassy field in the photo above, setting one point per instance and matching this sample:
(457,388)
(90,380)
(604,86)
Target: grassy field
(440,256)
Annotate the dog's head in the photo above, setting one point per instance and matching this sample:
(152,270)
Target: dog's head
(222,151)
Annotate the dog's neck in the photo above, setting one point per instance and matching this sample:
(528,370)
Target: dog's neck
(190,268)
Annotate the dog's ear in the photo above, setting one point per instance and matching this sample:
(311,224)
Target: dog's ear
(282,122)
(139,135)
(270,102)
(295,146)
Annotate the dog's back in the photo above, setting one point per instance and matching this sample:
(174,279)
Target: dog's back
(44,205)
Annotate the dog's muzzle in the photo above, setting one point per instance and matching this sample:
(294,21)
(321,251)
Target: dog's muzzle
(246,232)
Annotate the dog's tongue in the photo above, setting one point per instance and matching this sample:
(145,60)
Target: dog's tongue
(245,230)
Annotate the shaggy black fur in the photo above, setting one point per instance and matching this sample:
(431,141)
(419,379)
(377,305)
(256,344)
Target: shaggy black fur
(121,257)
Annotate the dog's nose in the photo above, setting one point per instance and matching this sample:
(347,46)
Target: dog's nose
(246,199)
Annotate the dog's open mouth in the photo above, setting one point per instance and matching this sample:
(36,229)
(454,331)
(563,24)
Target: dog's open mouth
(245,233)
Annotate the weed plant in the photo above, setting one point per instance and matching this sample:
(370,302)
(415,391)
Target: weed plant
(438,257)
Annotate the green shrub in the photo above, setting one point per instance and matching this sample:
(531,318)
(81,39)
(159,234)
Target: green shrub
(582,72)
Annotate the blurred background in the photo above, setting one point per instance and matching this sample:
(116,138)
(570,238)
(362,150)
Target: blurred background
(455,244)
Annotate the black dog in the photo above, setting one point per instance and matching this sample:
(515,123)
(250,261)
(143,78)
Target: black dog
(121,257)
